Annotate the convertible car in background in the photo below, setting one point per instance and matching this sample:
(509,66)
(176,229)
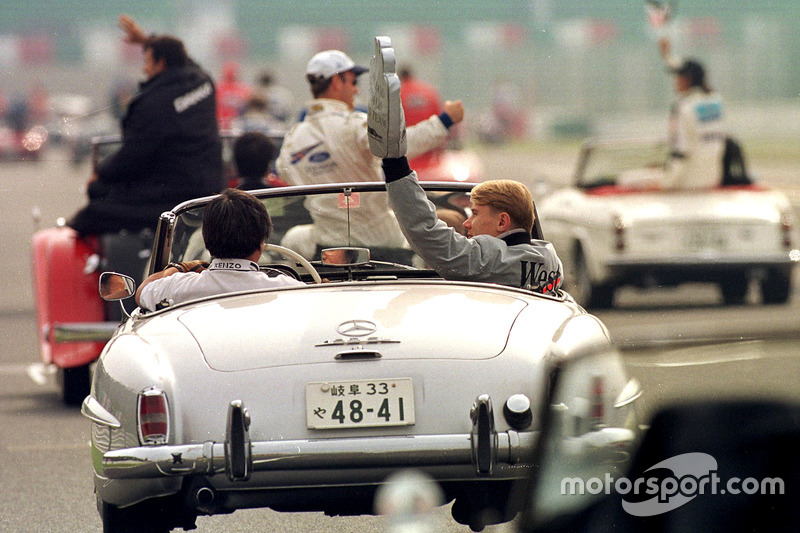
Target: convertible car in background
(307,398)
(613,228)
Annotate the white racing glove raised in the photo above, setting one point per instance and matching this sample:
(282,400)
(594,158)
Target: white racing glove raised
(386,123)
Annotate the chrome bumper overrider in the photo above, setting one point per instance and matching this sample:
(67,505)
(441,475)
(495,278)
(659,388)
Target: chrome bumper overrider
(237,457)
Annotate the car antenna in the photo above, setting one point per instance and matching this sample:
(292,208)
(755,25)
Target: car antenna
(348,191)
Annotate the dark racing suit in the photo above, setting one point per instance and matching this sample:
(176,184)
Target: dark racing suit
(171,152)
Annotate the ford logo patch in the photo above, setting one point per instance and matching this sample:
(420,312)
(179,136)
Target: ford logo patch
(319,157)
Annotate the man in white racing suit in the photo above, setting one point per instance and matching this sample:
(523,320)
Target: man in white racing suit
(696,127)
(330,146)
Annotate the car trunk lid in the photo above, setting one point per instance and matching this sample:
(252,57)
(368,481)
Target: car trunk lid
(713,223)
(315,324)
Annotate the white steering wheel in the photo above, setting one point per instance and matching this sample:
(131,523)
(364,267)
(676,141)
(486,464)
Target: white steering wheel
(292,255)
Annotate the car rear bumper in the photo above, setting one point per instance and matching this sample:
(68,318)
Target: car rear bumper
(679,270)
(209,458)
(484,450)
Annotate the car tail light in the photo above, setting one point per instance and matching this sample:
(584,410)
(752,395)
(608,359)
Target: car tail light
(619,234)
(153,417)
(597,406)
(786,230)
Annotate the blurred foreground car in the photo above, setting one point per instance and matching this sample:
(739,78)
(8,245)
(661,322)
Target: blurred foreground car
(704,465)
(307,398)
(609,234)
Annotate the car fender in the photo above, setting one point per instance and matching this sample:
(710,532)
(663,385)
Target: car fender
(65,292)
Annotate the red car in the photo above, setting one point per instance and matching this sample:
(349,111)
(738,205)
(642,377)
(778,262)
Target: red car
(66,273)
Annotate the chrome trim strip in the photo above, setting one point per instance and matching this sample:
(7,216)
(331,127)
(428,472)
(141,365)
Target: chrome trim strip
(91,409)
(630,393)
(84,331)
(405,451)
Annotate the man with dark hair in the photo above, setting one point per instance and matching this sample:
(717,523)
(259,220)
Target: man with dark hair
(168,48)
(235,227)
(252,153)
(171,151)
(696,126)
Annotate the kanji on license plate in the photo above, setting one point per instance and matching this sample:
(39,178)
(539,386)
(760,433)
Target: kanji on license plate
(360,403)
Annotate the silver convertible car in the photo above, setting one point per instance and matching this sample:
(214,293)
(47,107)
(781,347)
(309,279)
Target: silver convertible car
(307,398)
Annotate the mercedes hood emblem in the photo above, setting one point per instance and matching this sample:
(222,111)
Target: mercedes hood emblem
(356,328)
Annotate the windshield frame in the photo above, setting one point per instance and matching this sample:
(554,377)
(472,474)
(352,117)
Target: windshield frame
(168,221)
(619,155)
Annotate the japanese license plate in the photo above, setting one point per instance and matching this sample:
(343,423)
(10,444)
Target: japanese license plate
(360,403)
(706,240)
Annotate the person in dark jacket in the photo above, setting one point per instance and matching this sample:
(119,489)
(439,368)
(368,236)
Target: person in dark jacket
(171,150)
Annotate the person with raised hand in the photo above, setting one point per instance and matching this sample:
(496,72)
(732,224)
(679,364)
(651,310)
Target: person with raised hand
(498,247)
(330,146)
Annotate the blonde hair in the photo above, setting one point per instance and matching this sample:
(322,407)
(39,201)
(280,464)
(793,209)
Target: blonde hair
(507,196)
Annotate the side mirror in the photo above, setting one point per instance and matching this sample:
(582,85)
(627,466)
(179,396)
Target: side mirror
(115,287)
(345,256)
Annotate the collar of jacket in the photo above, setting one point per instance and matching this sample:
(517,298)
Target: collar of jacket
(517,237)
(326,104)
(185,74)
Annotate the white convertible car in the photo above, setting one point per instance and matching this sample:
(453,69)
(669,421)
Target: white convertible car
(612,228)
(307,398)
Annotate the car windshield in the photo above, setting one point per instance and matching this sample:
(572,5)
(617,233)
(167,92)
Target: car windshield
(104,146)
(604,163)
(308,220)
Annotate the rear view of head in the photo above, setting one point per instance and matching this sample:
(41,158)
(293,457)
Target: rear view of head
(235,224)
(168,48)
(692,74)
(252,152)
(507,196)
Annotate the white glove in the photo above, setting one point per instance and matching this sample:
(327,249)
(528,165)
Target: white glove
(386,123)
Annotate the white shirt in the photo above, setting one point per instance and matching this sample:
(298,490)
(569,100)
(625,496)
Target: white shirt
(222,276)
(331,146)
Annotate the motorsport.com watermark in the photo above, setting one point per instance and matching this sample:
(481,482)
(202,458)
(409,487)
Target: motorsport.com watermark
(693,474)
